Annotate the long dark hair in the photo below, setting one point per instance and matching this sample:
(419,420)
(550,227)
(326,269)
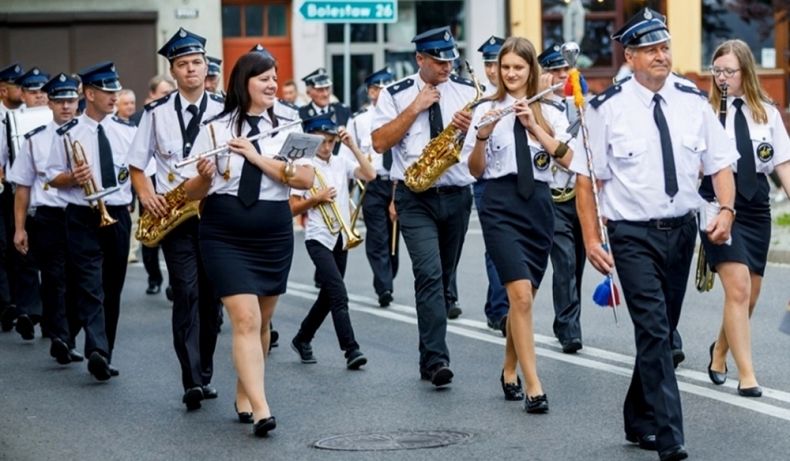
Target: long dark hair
(237,101)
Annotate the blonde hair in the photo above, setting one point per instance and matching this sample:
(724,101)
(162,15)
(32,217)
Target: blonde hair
(524,49)
(753,93)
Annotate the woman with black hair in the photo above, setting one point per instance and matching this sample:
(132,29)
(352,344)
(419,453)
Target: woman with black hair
(246,235)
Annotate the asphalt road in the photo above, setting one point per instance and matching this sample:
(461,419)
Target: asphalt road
(48,411)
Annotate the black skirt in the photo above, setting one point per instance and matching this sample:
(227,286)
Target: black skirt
(518,233)
(751,231)
(246,250)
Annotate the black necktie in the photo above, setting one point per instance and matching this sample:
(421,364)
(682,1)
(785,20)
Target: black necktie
(387,159)
(192,129)
(435,119)
(670,177)
(9,139)
(105,161)
(526,179)
(747,173)
(250,181)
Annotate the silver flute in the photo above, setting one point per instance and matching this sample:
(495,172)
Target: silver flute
(489,119)
(224,150)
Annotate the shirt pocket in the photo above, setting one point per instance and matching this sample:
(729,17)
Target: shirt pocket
(628,152)
(168,149)
(499,149)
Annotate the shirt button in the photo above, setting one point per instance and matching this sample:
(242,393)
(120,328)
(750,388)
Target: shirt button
(630,154)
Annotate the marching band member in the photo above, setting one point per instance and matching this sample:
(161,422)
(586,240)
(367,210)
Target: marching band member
(378,195)
(245,231)
(407,116)
(567,251)
(213,82)
(98,242)
(329,250)
(39,213)
(496,306)
(167,131)
(513,156)
(761,139)
(319,89)
(647,149)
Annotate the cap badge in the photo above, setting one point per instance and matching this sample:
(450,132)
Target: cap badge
(35,72)
(182,33)
(492,41)
(648,14)
(62,78)
(446,36)
(17,69)
(112,68)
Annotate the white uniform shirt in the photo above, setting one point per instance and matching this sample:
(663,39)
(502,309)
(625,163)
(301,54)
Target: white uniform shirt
(166,148)
(34,118)
(359,129)
(501,146)
(770,141)
(336,171)
(225,130)
(394,100)
(29,166)
(626,150)
(85,130)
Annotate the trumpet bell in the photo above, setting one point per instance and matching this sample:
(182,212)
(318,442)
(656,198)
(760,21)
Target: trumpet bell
(353,241)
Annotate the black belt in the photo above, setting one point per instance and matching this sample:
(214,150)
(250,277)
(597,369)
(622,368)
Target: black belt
(436,190)
(662,223)
(382,177)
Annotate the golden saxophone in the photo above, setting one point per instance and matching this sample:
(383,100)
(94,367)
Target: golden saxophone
(91,190)
(442,152)
(151,229)
(332,217)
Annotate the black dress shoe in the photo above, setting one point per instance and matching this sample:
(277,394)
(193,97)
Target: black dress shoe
(75,355)
(274,337)
(674,454)
(646,442)
(537,405)
(441,374)
(755,391)
(513,391)
(262,427)
(305,351)
(677,357)
(24,326)
(453,311)
(245,417)
(209,392)
(571,346)
(355,359)
(113,371)
(385,298)
(153,288)
(98,366)
(192,398)
(716,377)
(60,351)
(169,293)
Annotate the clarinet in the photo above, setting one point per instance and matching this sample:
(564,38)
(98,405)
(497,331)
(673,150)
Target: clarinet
(723,104)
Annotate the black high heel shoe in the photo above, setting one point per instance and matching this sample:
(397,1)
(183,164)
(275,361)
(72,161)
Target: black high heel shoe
(512,391)
(537,404)
(716,377)
(262,427)
(244,416)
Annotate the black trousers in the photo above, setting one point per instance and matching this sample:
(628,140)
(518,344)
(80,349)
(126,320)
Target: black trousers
(567,261)
(433,224)
(151,264)
(8,310)
(653,264)
(378,237)
(96,261)
(330,267)
(26,286)
(195,307)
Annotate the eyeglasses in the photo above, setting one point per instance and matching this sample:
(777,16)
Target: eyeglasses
(716,71)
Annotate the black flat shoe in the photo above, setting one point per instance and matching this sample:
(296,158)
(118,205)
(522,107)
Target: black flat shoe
(513,391)
(385,298)
(755,391)
(25,328)
(537,405)
(571,346)
(441,375)
(60,351)
(192,398)
(209,392)
(716,377)
(244,416)
(678,356)
(113,371)
(674,454)
(262,427)
(645,442)
(355,360)
(98,366)
(153,289)
(75,355)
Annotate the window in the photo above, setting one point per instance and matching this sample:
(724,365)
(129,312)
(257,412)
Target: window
(754,24)
(245,19)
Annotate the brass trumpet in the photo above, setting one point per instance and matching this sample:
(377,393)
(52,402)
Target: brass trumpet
(91,190)
(333,218)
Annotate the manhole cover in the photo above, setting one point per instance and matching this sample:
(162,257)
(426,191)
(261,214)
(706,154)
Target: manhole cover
(396,440)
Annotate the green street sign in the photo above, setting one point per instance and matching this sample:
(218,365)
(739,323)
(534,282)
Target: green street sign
(350,11)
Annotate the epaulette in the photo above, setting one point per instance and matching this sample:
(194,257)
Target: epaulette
(360,111)
(211,119)
(67,126)
(622,80)
(216,97)
(32,132)
(158,102)
(117,119)
(462,81)
(397,87)
(554,103)
(608,93)
(683,77)
(288,104)
(691,89)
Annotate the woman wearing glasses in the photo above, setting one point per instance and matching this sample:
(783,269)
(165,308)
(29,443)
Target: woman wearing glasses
(756,127)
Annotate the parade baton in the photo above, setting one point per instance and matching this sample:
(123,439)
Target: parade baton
(606,293)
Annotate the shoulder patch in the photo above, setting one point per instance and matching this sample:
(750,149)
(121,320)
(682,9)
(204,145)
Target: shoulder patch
(33,132)
(117,119)
(360,111)
(683,77)
(461,80)
(288,104)
(554,103)
(216,97)
(67,126)
(397,87)
(691,89)
(622,80)
(158,102)
(607,94)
